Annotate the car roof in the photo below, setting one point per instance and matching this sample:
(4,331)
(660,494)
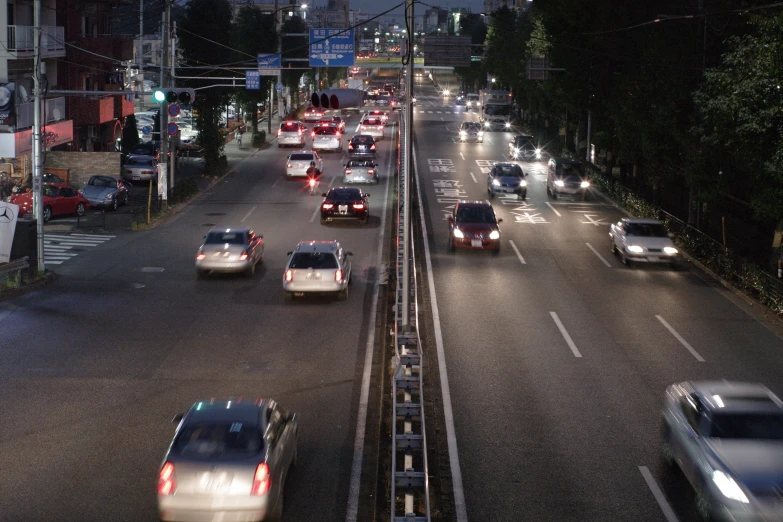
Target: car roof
(229,230)
(505,164)
(566,160)
(642,221)
(735,396)
(303,152)
(235,409)
(363,136)
(290,122)
(58,185)
(475,204)
(317,246)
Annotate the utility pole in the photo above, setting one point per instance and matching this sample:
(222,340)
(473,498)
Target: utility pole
(408,149)
(37,166)
(272,86)
(172,80)
(164,106)
(140,55)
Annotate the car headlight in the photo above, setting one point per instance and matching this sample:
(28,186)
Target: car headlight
(463,133)
(728,487)
(486,124)
(480,133)
(508,125)
(538,153)
(559,183)
(522,183)
(584,184)
(445,93)
(458,233)
(494,234)
(670,250)
(496,182)
(515,152)
(636,249)
(109,196)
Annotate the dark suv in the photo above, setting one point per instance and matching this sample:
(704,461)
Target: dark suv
(345,203)
(568,177)
(524,148)
(473,225)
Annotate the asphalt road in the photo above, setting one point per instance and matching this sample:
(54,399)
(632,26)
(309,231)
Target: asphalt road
(93,367)
(547,430)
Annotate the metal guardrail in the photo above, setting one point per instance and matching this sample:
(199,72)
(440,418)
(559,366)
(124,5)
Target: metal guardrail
(410,499)
(14,266)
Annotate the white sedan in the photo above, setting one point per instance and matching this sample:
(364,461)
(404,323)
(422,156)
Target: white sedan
(643,240)
(327,137)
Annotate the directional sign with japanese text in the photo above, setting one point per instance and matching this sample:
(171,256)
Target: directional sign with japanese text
(330,49)
(252,80)
(268,64)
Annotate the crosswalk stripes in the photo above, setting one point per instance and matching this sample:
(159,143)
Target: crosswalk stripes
(59,248)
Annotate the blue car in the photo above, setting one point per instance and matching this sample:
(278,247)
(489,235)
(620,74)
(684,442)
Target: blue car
(106,192)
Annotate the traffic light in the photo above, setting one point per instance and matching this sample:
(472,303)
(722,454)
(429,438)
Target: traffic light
(186,96)
(338,98)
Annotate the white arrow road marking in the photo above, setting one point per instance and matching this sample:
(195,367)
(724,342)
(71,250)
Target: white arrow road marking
(591,221)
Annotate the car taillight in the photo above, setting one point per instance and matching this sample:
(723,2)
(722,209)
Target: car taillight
(372,147)
(338,275)
(243,256)
(327,206)
(350,145)
(363,127)
(289,166)
(166,483)
(348,171)
(147,172)
(289,275)
(370,171)
(262,481)
(200,256)
(312,134)
(279,132)
(358,206)
(300,132)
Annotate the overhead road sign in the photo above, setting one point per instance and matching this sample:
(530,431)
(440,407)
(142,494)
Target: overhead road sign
(252,80)
(268,64)
(331,48)
(452,51)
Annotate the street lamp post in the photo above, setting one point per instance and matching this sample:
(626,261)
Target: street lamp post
(280,100)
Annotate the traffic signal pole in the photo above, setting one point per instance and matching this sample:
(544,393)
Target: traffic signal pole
(406,208)
(172,80)
(37,159)
(164,106)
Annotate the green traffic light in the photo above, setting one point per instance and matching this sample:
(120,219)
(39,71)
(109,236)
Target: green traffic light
(159,96)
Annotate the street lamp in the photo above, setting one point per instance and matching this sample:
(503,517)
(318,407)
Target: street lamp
(280,106)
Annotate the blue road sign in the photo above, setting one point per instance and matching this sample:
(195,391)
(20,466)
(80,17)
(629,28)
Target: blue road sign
(329,49)
(172,129)
(252,80)
(268,61)
(146,129)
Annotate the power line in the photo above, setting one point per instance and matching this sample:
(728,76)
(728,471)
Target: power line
(214,42)
(108,58)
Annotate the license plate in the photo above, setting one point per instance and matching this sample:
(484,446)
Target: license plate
(137,178)
(343,209)
(475,243)
(652,258)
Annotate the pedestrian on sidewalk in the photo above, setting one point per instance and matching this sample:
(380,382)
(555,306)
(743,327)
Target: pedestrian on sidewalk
(238,137)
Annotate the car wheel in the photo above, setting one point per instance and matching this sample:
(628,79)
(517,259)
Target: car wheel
(522,196)
(366,219)
(47,214)
(554,194)
(451,248)
(666,445)
(626,261)
(114,204)
(548,192)
(80,209)
(585,196)
(343,295)
(496,251)
(614,247)
(703,504)
(288,296)
(490,194)
(277,513)
(323,221)
(251,270)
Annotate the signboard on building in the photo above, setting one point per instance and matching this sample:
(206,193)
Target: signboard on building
(331,48)
(7,103)
(447,51)
(252,80)
(8,214)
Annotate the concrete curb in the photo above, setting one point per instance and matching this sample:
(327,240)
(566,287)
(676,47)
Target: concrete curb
(41,282)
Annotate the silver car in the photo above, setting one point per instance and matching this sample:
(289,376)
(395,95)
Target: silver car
(140,168)
(106,192)
(327,136)
(727,438)
(299,162)
(372,126)
(471,131)
(230,250)
(228,461)
(360,171)
(291,133)
(642,240)
(317,267)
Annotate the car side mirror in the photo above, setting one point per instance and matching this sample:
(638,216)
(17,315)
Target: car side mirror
(366,195)
(349,253)
(205,236)
(500,221)
(177,418)
(451,219)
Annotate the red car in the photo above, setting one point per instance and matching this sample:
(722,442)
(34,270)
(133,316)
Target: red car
(58,199)
(474,225)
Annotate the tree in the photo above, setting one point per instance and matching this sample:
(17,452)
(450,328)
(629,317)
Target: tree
(254,32)
(472,76)
(130,135)
(294,47)
(213,18)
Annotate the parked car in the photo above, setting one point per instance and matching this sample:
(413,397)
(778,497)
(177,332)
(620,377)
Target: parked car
(345,203)
(230,250)
(360,171)
(567,176)
(506,178)
(229,460)
(524,148)
(150,148)
(317,267)
(299,162)
(362,146)
(471,131)
(372,126)
(106,192)
(140,168)
(327,137)
(473,225)
(27,185)
(727,439)
(58,200)
(643,240)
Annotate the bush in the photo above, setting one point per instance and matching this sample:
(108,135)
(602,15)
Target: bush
(259,138)
(183,190)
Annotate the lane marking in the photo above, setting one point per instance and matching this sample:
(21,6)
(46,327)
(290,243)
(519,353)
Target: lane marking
(448,412)
(516,250)
(668,512)
(248,214)
(679,338)
(565,335)
(276,182)
(474,177)
(490,140)
(364,396)
(553,209)
(461,156)
(607,263)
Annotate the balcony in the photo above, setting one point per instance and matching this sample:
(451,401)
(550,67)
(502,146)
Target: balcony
(53,110)
(122,107)
(22,37)
(92,110)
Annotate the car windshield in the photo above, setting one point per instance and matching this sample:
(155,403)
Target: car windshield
(219,238)
(360,163)
(145,150)
(313,260)
(363,140)
(524,141)
(343,193)
(475,215)
(371,121)
(470,125)
(646,230)
(498,110)
(209,440)
(50,191)
(747,426)
(289,127)
(102,182)
(508,170)
(139,161)
(325,131)
(302,157)
(570,170)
